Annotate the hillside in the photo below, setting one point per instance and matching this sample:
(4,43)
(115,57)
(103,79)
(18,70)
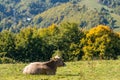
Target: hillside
(15,14)
(42,13)
(80,12)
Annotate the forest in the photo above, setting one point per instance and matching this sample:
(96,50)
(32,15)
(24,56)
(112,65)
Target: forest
(67,40)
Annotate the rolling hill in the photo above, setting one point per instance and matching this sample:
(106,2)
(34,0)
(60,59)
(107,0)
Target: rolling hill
(42,13)
(85,13)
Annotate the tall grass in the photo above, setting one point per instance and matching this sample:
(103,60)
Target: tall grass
(81,70)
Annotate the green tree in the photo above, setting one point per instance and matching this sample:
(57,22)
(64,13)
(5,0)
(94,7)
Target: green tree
(50,36)
(69,38)
(29,46)
(7,43)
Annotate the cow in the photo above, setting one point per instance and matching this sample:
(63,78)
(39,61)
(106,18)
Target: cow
(46,68)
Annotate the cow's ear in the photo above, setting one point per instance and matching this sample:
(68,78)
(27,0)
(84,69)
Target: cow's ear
(52,58)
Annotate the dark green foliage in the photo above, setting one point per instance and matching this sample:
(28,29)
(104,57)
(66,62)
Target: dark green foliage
(7,47)
(110,3)
(29,46)
(3,54)
(2,8)
(7,43)
(7,60)
(55,1)
(68,41)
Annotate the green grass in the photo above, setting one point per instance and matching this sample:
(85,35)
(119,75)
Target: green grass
(92,4)
(82,70)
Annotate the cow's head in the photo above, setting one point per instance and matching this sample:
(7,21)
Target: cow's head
(59,61)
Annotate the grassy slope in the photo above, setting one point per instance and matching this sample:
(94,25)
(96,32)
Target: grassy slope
(117,17)
(82,70)
(92,4)
(54,15)
(70,13)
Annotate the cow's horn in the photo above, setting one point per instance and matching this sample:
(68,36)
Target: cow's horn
(57,56)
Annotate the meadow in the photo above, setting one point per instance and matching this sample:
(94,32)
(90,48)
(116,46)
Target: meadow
(79,70)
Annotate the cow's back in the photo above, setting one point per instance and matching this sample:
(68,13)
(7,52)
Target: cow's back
(35,68)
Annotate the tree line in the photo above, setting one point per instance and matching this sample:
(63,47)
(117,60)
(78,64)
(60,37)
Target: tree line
(67,40)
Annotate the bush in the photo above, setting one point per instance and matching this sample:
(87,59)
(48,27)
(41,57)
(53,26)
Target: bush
(6,60)
(2,54)
(102,43)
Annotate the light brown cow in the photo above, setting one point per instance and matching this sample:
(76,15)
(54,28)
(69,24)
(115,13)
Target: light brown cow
(47,68)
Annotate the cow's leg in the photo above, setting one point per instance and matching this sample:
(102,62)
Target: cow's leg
(50,73)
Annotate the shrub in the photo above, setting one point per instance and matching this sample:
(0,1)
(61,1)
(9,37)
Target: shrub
(6,60)
(102,43)
(2,54)
(58,52)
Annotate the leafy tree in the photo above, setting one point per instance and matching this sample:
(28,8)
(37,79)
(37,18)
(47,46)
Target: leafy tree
(70,35)
(50,36)
(7,43)
(64,38)
(101,43)
(29,45)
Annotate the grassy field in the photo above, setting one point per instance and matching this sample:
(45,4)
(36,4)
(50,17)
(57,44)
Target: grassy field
(82,70)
